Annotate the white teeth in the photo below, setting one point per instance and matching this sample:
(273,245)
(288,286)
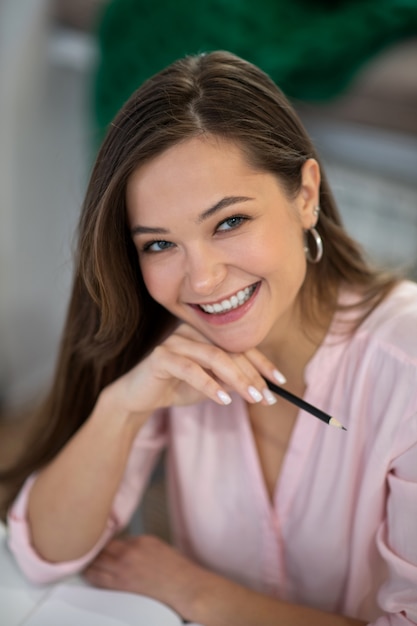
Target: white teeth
(241,296)
(232,303)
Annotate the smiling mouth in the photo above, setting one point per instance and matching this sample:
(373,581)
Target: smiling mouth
(228,304)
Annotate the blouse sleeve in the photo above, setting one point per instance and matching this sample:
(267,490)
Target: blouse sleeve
(397,540)
(142,459)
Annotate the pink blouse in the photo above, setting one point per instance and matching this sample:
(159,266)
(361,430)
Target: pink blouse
(341,531)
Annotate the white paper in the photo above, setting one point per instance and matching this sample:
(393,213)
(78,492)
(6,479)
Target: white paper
(17,597)
(70,605)
(73,603)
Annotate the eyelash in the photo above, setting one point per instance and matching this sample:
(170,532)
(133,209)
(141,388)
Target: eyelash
(241,218)
(147,246)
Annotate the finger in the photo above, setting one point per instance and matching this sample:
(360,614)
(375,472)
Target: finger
(115,548)
(259,360)
(111,554)
(100,565)
(260,363)
(99,577)
(253,373)
(103,562)
(187,370)
(213,359)
(267,369)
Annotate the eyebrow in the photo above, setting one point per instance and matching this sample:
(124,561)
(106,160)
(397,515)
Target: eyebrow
(222,204)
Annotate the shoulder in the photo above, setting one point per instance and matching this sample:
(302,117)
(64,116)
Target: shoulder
(385,350)
(401,302)
(375,370)
(392,325)
(381,355)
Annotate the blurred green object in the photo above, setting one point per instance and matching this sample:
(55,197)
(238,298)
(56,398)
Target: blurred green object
(312,49)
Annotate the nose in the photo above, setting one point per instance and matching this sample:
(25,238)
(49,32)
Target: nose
(204,270)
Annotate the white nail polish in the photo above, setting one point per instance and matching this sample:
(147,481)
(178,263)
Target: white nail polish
(279,377)
(269,397)
(255,394)
(224,397)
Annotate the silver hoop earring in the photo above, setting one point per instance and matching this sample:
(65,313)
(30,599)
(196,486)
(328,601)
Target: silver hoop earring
(318,243)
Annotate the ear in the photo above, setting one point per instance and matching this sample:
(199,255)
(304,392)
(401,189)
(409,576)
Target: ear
(309,194)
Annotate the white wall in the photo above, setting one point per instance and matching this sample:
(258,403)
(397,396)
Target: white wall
(44,160)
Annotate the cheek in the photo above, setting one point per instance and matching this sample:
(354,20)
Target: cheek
(159,282)
(277,250)
(283,256)
(287,241)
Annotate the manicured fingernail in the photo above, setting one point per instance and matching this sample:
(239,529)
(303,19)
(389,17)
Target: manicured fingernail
(255,394)
(224,397)
(269,397)
(279,377)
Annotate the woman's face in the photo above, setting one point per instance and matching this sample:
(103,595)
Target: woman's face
(220,244)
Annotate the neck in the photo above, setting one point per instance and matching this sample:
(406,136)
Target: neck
(292,346)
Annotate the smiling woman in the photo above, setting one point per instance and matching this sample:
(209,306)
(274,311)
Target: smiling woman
(210,204)
(212,258)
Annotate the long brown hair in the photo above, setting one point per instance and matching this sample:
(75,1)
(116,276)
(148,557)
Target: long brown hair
(112,322)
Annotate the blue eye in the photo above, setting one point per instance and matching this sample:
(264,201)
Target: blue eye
(231,222)
(157,246)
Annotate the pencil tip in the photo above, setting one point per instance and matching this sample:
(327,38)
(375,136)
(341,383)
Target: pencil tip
(335,422)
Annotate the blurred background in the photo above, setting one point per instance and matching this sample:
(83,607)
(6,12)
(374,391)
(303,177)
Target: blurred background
(67,65)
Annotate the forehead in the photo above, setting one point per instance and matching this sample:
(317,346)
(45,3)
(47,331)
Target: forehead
(192,157)
(191,174)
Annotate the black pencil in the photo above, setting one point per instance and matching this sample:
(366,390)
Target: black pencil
(302,404)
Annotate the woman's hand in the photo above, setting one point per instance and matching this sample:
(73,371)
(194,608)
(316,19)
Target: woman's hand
(146,565)
(149,566)
(187,368)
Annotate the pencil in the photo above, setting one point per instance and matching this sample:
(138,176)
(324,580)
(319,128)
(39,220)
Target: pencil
(302,404)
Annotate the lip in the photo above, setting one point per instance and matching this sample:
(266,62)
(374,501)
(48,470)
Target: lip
(228,316)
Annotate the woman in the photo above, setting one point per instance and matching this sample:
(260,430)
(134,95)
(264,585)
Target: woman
(212,258)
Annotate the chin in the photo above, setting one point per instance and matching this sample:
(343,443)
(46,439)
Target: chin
(238,345)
